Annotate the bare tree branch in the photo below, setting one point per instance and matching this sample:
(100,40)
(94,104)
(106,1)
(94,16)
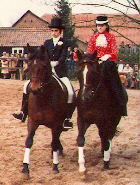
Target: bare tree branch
(125,5)
(124,36)
(133,19)
(137,8)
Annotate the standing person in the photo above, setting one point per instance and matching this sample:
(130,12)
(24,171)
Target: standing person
(105,44)
(4,63)
(128,71)
(69,60)
(20,64)
(57,51)
(76,55)
(13,63)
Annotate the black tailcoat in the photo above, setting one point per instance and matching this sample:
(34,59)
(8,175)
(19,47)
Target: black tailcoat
(57,53)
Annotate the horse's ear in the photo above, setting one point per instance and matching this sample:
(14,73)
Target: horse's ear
(44,51)
(29,49)
(94,55)
(42,48)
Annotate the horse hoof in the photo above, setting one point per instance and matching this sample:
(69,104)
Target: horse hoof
(55,169)
(106,165)
(26,176)
(82,175)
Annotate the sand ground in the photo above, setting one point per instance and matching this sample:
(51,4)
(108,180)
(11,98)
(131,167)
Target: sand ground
(125,156)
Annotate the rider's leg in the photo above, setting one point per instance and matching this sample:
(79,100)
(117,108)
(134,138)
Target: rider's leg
(70,103)
(22,114)
(116,87)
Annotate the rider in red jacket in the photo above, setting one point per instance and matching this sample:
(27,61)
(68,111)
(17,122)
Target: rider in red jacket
(105,44)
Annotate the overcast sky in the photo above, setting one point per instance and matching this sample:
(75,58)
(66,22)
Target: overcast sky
(12,10)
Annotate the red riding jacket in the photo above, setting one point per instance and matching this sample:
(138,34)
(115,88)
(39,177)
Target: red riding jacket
(104,43)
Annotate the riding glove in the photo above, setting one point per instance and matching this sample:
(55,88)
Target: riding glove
(105,57)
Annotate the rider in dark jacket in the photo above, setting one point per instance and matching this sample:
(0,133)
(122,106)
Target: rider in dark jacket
(57,51)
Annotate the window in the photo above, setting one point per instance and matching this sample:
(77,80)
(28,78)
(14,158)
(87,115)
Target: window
(18,50)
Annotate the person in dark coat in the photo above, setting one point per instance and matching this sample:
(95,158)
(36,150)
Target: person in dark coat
(56,48)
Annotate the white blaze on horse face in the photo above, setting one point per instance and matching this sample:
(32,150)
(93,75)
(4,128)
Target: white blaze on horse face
(27,156)
(85,75)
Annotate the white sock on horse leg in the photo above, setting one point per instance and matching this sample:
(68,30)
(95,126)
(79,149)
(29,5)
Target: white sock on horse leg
(55,158)
(81,159)
(27,156)
(107,153)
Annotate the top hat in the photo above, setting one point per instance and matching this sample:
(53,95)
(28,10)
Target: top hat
(56,22)
(101,20)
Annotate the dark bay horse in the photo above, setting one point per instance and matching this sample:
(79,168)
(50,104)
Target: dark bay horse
(47,104)
(95,105)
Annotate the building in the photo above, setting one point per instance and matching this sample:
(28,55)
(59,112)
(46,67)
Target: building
(28,29)
(34,30)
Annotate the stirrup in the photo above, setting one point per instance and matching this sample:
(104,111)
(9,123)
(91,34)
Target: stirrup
(67,124)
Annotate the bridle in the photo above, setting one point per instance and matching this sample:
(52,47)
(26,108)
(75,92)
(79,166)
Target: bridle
(94,92)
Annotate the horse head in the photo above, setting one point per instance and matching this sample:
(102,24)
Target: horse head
(39,68)
(89,74)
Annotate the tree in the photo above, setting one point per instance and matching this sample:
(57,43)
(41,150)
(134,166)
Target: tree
(123,9)
(64,12)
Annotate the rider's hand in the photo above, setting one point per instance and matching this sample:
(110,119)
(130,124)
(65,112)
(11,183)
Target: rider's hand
(105,57)
(54,63)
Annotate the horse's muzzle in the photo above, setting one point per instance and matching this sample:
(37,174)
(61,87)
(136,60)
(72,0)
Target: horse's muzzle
(35,85)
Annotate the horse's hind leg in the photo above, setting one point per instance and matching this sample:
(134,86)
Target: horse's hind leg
(56,146)
(28,144)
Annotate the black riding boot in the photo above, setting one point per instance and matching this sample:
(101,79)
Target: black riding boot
(67,123)
(22,115)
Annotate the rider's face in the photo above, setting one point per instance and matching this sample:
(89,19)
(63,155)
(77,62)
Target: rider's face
(55,32)
(101,28)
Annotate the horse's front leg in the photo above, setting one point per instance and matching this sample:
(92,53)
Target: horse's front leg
(82,127)
(106,150)
(56,147)
(31,127)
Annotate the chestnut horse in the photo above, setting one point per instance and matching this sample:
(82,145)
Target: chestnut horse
(95,104)
(47,104)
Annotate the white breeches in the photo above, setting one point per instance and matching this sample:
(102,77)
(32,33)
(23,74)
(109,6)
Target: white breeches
(70,90)
(25,86)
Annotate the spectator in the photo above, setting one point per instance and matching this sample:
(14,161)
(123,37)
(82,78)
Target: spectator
(4,63)
(76,56)
(121,73)
(128,71)
(20,64)
(69,60)
(25,67)
(13,63)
